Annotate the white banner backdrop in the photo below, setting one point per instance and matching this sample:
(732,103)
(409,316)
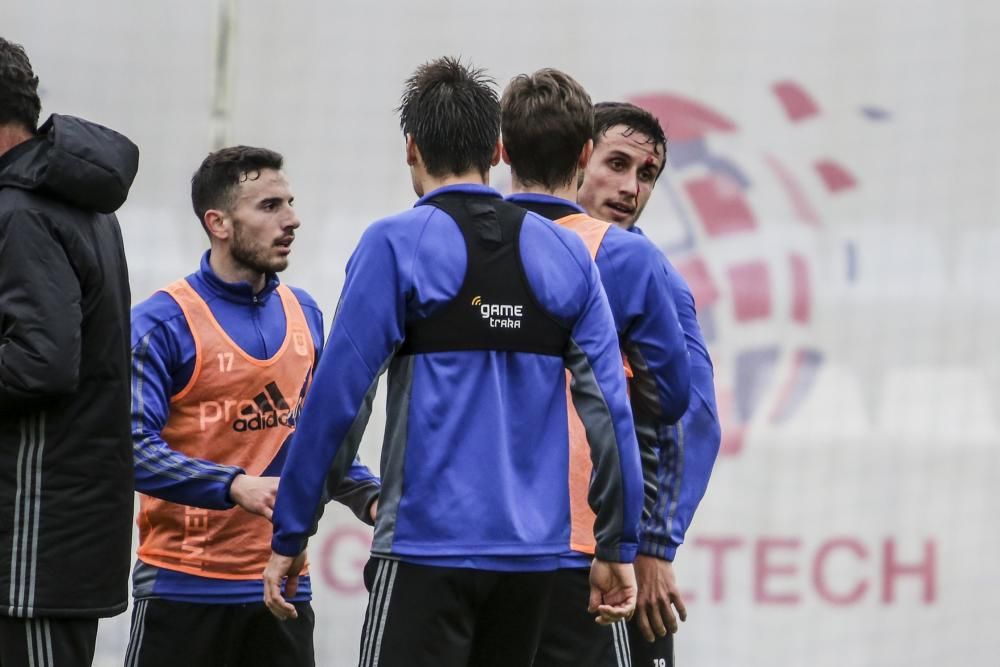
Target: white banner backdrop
(831,196)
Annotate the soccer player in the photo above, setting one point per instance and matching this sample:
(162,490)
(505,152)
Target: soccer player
(221,361)
(65,469)
(475,307)
(629,156)
(547,122)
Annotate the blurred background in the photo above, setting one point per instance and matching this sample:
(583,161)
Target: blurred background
(831,195)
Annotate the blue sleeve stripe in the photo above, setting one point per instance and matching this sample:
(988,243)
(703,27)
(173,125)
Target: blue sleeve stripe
(177,466)
(668,493)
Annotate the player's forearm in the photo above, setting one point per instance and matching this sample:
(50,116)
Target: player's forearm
(358,497)
(164,473)
(358,489)
(684,470)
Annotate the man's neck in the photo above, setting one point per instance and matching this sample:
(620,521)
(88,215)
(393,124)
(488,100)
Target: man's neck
(12,135)
(231,271)
(567,191)
(430,183)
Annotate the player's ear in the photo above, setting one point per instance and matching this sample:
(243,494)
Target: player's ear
(412,152)
(497,151)
(503,154)
(217,224)
(586,154)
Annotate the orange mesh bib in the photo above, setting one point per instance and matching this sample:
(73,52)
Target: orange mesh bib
(235,410)
(592,231)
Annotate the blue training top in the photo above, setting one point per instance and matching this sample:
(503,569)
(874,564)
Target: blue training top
(474,438)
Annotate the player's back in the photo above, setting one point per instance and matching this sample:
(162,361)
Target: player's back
(479,422)
(486,307)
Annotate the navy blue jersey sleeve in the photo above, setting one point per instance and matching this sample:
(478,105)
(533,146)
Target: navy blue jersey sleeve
(40,313)
(684,465)
(161,340)
(366,330)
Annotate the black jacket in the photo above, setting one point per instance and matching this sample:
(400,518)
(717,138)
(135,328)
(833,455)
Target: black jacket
(65,454)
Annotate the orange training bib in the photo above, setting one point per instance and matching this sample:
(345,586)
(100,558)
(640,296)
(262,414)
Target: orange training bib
(235,410)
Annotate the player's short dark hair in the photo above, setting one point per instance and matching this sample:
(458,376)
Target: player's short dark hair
(214,184)
(453,114)
(19,101)
(546,118)
(636,119)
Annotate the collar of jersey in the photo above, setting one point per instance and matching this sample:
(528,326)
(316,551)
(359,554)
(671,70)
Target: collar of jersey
(464,188)
(240,292)
(539,198)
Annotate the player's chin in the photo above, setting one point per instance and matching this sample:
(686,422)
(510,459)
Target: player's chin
(628,219)
(278,264)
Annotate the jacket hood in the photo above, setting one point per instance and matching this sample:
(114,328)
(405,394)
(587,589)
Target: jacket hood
(79,162)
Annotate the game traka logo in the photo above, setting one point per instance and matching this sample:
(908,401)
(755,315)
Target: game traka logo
(500,316)
(741,213)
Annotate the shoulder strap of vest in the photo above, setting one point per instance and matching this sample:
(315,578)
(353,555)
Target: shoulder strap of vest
(591,230)
(292,305)
(177,287)
(297,326)
(187,298)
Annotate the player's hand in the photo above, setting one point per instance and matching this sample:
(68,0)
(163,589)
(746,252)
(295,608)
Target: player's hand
(658,596)
(373,509)
(282,568)
(612,591)
(254,494)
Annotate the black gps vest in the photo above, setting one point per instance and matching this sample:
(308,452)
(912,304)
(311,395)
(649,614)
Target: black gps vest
(495,308)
